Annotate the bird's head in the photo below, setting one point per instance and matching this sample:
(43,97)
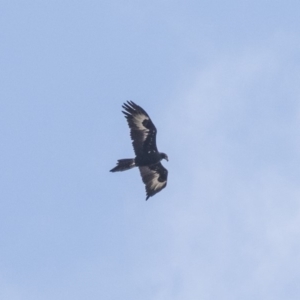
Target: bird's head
(164,156)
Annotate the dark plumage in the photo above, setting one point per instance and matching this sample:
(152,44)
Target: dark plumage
(147,158)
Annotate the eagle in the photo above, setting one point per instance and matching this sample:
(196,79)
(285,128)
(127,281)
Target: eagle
(147,157)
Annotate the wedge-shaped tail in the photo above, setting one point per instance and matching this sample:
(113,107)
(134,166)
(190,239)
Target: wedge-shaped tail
(123,165)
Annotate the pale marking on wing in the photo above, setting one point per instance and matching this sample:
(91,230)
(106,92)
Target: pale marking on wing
(159,186)
(138,120)
(155,184)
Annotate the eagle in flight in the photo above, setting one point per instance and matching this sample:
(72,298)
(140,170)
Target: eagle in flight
(147,158)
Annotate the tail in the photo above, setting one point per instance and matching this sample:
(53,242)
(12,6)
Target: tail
(124,164)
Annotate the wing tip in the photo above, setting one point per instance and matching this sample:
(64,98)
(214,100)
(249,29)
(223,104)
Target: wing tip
(129,103)
(130,108)
(133,108)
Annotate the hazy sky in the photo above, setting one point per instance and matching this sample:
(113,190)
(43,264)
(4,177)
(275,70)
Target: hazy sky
(221,82)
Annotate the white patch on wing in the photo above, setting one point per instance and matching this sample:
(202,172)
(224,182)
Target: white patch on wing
(151,179)
(155,184)
(154,181)
(138,120)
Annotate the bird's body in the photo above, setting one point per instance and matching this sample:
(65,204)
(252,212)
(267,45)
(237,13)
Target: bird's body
(151,158)
(143,135)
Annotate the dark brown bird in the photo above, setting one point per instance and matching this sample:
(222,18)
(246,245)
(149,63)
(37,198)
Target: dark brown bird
(147,159)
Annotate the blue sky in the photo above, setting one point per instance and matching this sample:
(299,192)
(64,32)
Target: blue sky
(220,80)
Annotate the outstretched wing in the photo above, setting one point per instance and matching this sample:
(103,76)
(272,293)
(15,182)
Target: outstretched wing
(142,130)
(155,178)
